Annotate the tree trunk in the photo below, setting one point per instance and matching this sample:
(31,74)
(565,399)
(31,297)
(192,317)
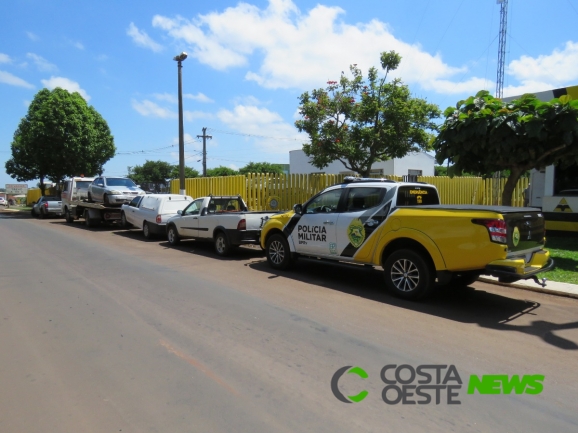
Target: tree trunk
(510,185)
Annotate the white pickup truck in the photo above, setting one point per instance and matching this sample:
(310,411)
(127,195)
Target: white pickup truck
(224,220)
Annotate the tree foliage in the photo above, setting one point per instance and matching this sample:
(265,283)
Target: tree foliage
(261,167)
(361,121)
(60,136)
(221,171)
(158,173)
(484,134)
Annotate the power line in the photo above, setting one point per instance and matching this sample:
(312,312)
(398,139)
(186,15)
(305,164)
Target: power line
(252,135)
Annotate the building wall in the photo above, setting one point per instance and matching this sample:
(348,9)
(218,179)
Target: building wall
(299,164)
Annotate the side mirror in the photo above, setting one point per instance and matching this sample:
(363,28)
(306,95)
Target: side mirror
(179,212)
(298,208)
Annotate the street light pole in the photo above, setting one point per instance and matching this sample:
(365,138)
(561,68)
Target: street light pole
(179,59)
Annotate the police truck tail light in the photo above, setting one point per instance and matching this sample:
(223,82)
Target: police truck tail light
(242,225)
(46,205)
(496,229)
(159,219)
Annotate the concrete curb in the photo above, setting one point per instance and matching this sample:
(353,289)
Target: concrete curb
(552,287)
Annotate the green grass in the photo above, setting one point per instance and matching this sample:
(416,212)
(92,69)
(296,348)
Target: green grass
(564,251)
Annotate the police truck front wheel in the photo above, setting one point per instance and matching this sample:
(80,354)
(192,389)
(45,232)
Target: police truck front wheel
(408,275)
(278,253)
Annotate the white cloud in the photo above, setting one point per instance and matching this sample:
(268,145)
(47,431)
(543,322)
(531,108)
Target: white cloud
(32,36)
(142,39)
(78,45)
(270,132)
(300,50)
(150,109)
(5,58)
(13,80)
(41,63)
(189,116)
(199,97)
(166,97)
(544,72)
(234,167)
(65,83)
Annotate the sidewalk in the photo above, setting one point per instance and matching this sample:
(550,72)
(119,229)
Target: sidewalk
(552,287)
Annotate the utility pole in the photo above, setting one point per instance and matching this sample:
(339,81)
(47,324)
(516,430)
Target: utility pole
(205,136)
(502,49)
(182,188)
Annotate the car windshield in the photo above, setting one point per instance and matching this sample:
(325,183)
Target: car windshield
(119,181)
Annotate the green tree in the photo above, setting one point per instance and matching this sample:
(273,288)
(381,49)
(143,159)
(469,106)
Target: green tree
(484,134)
(189,172)
(221,171)
(60,136)
(261,167)
(362,121)
(158,173)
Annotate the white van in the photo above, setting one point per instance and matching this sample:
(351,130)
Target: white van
(74,189)
(150,212)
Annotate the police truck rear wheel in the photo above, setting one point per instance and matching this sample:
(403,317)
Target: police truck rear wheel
(408,275)
(278,253)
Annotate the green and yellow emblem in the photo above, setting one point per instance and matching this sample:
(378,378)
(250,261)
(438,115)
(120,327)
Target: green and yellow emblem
(516,236)
(356,233)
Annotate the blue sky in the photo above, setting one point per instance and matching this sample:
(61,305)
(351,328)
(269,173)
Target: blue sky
(249,62)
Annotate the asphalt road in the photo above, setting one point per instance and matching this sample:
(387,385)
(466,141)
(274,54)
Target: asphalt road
(102,331)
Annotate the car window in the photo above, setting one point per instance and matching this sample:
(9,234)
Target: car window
(99,182)
(224,204)
(82,184)
(361,198)
(135,201)
(324,203)
(50,198)
(119,181)
(194,208)
(416,196)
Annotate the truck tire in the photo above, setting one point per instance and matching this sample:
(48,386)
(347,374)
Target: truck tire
(123,222)
(222,246)
(278,252)
(67,216)
(173,235)
(105,200)
(88,222)
(408,275)
(146,230)
(33,213)
(42,213)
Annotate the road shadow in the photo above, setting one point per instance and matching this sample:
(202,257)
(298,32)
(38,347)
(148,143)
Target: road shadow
(463,304)
(8,214)
(207,249)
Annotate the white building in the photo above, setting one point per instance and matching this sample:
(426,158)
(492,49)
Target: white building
(418,164)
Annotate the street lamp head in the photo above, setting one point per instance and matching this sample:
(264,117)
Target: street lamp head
(180,57)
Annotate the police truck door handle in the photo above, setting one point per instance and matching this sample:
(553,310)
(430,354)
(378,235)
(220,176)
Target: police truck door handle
(327,222)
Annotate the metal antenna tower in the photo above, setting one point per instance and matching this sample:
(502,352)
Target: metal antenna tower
(502,49)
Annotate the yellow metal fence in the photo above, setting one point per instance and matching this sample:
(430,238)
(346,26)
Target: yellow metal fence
(281,192)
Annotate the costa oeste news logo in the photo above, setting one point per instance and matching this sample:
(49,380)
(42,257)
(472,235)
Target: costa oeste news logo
(434,384)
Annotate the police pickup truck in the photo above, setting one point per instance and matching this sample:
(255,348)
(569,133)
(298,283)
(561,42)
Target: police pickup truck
(403,228)
(224,220)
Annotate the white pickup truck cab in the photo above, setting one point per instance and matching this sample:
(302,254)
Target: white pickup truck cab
(224,220)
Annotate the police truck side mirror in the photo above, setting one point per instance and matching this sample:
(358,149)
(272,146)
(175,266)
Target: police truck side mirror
(298,209)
